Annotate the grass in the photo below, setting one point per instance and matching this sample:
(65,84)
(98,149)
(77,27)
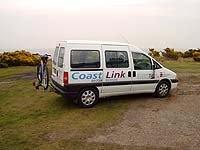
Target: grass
(183,66)
(9,72)
(37,119)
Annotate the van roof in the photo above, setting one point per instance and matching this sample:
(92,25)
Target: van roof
(93,42)
(102,43)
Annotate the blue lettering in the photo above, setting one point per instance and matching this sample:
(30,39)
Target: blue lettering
(89,76)
(100,75)
(78,76)
(73,75)
(95,76)
(82,76)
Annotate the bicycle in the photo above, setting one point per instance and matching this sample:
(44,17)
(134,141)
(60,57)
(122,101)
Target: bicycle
(42,72)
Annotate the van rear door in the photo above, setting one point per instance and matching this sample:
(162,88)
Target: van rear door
(58,63)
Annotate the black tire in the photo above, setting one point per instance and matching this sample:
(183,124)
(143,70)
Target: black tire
(88,97)
(39,73)
(46,78)
(162,89)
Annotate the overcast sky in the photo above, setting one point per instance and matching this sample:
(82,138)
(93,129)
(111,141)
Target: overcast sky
(145,23)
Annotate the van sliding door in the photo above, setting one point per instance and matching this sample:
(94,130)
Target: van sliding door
(117,69)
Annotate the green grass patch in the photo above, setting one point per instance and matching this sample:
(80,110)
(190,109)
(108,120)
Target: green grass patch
(9,72)
(29,117)
(183,66)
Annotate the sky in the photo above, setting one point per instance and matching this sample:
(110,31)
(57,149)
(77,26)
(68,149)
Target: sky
(144,23)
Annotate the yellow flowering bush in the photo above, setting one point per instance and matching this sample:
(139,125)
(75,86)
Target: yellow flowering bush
(196,56)
(154,53)
(171,54)
(18,58)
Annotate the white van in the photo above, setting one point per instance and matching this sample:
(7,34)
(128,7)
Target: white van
(89,70)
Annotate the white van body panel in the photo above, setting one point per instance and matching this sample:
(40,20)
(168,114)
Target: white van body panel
(110,81)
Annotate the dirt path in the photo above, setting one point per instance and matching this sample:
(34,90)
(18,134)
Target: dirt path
(15,77)
(21,76)
(172,122)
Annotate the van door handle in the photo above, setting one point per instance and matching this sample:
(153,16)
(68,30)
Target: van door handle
(129,73)
(134,73)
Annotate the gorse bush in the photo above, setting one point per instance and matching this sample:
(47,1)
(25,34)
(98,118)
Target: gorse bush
(193,53)
(188,53)
(170,53)
(196,56)
(154,53)
(18,58)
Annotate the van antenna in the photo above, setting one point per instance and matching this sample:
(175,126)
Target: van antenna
(124,38)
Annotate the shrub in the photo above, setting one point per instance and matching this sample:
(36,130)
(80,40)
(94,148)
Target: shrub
(196,56)
(18,58)
(154,53)
(3,65)
(170,53)
(188,53)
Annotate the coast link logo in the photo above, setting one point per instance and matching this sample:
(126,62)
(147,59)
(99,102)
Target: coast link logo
(87,76)
(114,74)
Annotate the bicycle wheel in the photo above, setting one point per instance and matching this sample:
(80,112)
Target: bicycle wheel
(39,73)
(45,79)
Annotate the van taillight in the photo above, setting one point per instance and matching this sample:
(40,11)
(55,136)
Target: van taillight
(65,78)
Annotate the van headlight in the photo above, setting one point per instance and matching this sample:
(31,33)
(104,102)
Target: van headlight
(176,77)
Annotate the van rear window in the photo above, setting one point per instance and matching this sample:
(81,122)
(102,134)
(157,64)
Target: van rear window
(85,59)
(55,55)
(61,57)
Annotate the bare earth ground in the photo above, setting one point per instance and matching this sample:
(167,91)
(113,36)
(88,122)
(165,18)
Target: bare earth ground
(172,122)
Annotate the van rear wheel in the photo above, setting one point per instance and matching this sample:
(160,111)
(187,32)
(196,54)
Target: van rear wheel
(162,89)
(88,97)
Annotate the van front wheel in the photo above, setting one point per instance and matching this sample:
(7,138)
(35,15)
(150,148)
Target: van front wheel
(88,97)
(162,89)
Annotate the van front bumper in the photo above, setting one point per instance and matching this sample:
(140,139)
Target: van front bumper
(174,83)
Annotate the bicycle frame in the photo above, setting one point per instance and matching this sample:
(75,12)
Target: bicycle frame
(42,72)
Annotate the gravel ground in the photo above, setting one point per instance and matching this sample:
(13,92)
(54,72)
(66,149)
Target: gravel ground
(172,122)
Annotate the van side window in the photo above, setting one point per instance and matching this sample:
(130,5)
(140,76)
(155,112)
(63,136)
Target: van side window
(55,55)
(85,59)
(156,65)
(141,61)
(61,57)
(116,59)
